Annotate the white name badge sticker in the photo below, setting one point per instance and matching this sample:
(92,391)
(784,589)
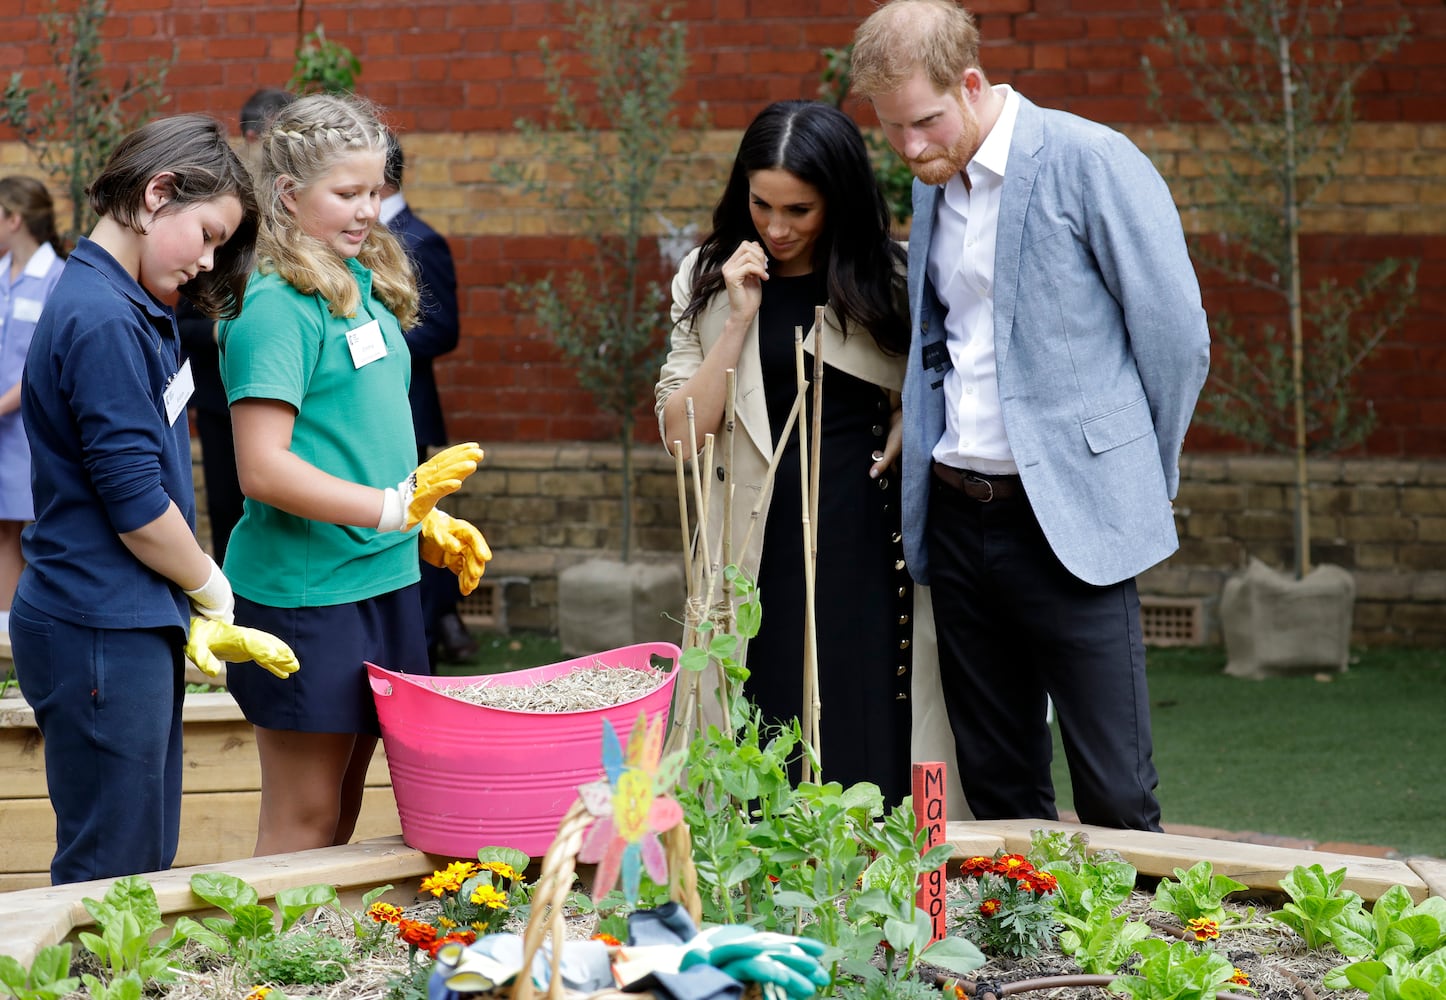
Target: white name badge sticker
(366,344)
(28,310)
(178,392)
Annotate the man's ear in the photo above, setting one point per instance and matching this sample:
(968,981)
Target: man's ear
(973,84)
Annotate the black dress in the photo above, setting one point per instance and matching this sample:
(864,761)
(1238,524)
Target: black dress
(862,594)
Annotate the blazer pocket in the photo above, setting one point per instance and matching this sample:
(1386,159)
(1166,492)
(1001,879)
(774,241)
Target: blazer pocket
(1118,427)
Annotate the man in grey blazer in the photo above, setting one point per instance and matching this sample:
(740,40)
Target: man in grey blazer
(1058,348)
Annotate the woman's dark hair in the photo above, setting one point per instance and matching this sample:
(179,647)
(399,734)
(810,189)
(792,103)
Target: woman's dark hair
(200,166)
(28,198)
(821,146)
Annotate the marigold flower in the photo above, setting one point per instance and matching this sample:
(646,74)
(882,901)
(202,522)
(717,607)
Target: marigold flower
(449,879)
(1202,929)
(502,870)
(1240,978)
(773,879)
(607,939)
(488,896)
(1013,865)
(977,865)
(1040,882)
(416,933)
(990,907)
(384,913)
(959,992)
(446,923)
(258,993)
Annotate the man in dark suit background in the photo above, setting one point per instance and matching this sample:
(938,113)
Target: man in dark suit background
(198,341)
(435,334)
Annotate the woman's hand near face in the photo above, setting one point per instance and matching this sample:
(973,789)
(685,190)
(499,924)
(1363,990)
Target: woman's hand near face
(743,276)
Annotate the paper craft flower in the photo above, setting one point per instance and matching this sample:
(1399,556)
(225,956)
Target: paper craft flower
(630,812)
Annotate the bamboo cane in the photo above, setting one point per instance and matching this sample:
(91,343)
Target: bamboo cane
(810,659)
(811,693)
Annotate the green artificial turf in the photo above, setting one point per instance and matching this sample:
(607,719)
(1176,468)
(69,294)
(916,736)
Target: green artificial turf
(1357,757)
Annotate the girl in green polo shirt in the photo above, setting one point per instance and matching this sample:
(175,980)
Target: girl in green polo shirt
(325,555)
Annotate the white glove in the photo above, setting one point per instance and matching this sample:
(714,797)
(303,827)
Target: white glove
(213,599)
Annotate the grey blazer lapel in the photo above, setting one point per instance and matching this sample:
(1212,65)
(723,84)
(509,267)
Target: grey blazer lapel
(1019,175)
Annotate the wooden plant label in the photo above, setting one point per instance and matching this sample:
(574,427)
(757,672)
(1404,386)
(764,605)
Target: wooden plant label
(930,813)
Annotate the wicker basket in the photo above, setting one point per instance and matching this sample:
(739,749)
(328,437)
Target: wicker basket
(549,899)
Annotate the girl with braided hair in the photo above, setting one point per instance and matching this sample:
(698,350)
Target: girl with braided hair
(324,557)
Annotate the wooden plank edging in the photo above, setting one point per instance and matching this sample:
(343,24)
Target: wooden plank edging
(31,919)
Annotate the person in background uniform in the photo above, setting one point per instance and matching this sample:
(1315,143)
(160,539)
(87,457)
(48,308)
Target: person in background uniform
(435,334)
(198,340)
(1058,349)
(31,259)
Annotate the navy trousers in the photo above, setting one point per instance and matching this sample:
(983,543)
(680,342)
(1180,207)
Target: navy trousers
(108,704)
(1015,628)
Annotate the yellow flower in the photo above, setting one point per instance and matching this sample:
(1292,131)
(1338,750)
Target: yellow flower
(447,922)
(449,879)
(486,895)
(1240,978)
(258,993)
(384,913)
(501,869)
(1202,929)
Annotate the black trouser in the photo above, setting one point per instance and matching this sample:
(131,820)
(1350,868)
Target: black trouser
(1016,627)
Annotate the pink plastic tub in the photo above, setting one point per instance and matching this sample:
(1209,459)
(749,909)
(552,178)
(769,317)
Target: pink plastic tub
(469,776)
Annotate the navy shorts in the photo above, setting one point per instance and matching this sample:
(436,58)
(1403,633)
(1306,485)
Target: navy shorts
(330,693)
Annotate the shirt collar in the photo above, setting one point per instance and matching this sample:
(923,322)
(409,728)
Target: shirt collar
(93,254)
(993,154)
(392,206)
(38,266)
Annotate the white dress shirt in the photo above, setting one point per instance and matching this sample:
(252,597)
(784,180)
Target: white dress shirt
(961,269)
(391,206)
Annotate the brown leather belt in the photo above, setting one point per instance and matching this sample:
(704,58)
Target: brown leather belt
(976,486)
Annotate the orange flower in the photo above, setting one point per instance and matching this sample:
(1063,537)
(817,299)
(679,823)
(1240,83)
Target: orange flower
(461,937)
(989,907)
(258,993)
(977,865)
(1202,929)
(607,939)
(416,933)
(384,913)
(1039,882)
(1013,865)
(1240,978)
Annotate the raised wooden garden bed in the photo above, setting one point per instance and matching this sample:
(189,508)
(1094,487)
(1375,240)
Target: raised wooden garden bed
(220,803)
(33,918)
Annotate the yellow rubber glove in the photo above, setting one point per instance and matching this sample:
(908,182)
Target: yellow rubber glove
(457,545)
(404,507)
(213,641)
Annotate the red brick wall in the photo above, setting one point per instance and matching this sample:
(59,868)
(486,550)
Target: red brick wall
(472,67)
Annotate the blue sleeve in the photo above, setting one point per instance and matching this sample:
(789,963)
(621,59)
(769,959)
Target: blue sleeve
(120,418)
(438,328)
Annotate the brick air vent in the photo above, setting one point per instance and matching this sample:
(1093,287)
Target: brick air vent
(1172,621)
(485,607)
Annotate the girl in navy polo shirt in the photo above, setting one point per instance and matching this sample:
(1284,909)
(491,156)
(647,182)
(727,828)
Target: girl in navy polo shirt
(316,373)
(113,570)
(31,259)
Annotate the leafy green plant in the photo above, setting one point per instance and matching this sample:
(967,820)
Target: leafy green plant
(1199,894)
(1090,885)
(1100,942)
(606,316)
(1397,979)
(1175,971)
(48,977)
(1008,905)
(716,642)
(1321,912)
(305,957)
(322,65)
(1279,81)
(248,921)
(80,114)
(126,920)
